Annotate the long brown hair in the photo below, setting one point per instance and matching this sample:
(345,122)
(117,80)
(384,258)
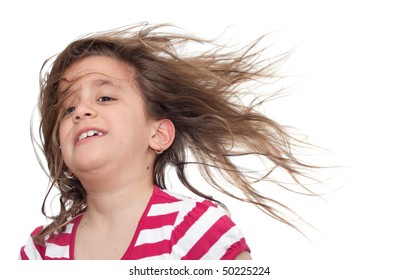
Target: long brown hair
(201,93)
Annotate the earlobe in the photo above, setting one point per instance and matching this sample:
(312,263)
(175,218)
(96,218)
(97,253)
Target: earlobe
(163,136)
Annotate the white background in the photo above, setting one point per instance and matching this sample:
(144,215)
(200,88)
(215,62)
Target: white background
(345,64)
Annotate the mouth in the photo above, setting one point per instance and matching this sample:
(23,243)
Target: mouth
(88,133)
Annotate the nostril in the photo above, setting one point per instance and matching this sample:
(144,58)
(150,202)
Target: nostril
(78,117)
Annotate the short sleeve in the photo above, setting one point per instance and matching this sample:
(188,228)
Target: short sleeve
(32,250)
(208,233)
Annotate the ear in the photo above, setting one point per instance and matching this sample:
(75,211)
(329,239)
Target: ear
(162,136)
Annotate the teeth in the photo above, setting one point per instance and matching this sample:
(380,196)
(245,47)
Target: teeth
(89,133)
(82,136)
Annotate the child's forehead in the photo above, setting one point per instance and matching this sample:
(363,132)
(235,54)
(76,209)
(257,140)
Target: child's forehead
(98,65)
(98,71)
(94,81)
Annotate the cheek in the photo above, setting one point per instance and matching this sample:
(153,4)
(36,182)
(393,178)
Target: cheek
(133,132)
(64,134)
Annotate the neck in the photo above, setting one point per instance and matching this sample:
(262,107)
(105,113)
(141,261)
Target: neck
(118,201)
(111,197)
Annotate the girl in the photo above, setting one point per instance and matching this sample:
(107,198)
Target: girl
(120,107)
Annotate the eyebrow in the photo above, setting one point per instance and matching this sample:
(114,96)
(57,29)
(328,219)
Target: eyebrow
(105,82)
(69,90)
(97,82)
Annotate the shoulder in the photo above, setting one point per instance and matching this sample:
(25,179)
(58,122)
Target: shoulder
(166,202)
(202,230)
(54,247)
(31,250)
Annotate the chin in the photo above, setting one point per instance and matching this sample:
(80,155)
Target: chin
(90,164)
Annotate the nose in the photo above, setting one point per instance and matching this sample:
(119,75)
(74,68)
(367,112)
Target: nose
(83,111)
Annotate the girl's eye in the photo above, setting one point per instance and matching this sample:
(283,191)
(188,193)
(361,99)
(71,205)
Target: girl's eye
(105,99)
(69,110)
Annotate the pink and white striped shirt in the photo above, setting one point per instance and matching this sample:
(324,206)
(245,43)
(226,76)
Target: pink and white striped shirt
(172,227)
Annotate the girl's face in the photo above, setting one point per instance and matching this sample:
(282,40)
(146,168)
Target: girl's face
(104,121)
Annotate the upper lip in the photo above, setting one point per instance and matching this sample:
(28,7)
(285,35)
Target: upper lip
(86,130)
